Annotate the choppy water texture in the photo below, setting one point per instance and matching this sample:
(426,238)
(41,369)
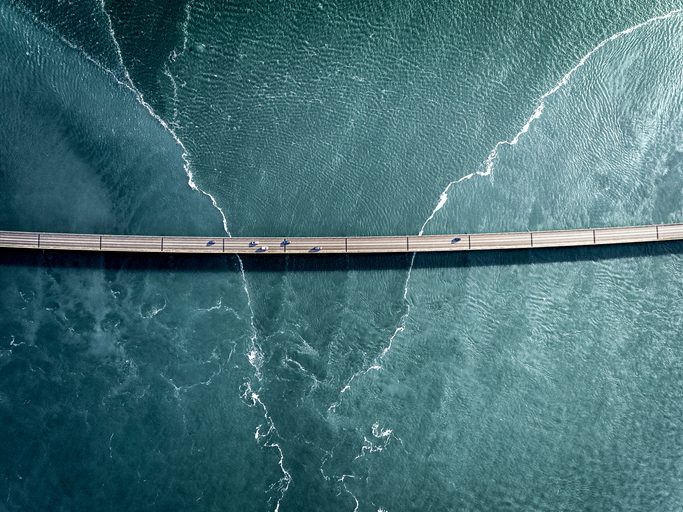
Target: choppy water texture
(548,380)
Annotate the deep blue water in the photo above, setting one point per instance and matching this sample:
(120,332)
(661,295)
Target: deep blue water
(544,380)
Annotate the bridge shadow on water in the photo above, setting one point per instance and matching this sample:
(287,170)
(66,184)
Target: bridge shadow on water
(151,262)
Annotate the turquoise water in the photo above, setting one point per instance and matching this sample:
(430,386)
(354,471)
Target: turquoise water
(544,380)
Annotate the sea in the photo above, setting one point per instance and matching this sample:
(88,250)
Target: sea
(544,380)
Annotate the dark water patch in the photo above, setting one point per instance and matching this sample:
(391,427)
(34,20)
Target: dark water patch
(112,261)
(328,263)
(148,34)
(80,153)
(119,377)
(358,263)
(82,23)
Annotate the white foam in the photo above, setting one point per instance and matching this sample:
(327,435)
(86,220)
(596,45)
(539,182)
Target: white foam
(488,165)
(174,56)
(178,389)
(376,364)
(217,305)
(111,437)
(174,84)
(154,311)
(186,23)
(304,372)
(13,342)
(380,433)
(383,435)
(327,456)
(128,83)
(254,354)
(342,479)
(253,400)
(255,359)
(119,54)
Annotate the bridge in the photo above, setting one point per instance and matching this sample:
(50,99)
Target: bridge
(342,245)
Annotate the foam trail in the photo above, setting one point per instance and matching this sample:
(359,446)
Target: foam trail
(342,479)
(255,358)
(376,365)
(255,354)
(173,56)
(128,84)
(119,54)
(186,23)
(488,165)
(254,400)
(174,85)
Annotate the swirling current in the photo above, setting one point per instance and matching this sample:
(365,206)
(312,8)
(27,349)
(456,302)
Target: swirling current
(545,380)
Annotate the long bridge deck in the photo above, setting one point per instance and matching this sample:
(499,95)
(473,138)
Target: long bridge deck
(342,245)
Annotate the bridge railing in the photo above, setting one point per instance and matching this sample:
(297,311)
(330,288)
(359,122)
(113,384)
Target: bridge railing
(342,245)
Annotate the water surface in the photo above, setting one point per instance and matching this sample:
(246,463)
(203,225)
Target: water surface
(545,380)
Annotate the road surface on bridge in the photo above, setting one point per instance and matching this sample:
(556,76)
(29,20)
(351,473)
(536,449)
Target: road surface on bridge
(342,245)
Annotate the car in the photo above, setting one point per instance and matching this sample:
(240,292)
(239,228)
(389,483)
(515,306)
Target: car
(315,249)
(210,243)
(285,243)
(456,240)
(262,249)
(253,243)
